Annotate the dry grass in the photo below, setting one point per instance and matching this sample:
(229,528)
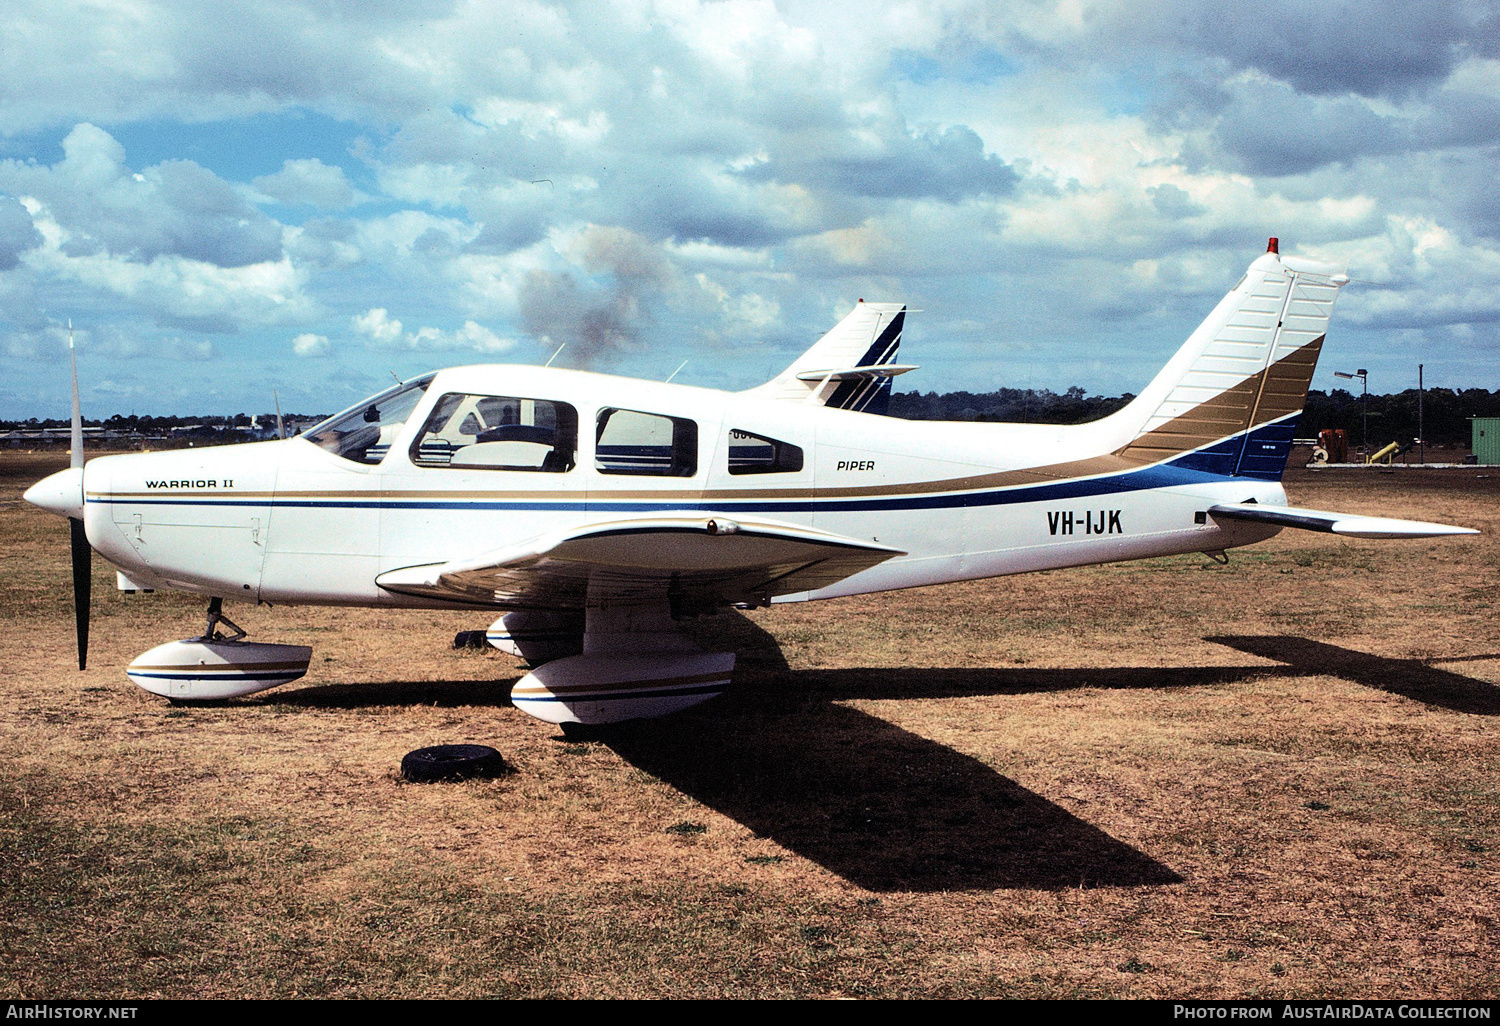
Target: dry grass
(1169,778)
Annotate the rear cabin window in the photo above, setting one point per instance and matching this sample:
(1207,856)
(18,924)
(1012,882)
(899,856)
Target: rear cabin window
(498,432)
(756,454)
(629,442)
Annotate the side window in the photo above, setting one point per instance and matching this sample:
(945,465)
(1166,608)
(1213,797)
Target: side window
(627,442)
(496,432)
(755,454)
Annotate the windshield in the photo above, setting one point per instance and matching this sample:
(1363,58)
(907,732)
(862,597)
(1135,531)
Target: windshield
(364,432)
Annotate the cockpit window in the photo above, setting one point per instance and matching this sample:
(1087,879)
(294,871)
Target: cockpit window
(364,433)
(498,432)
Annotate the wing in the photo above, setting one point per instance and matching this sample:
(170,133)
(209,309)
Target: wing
(1348,524)
(699,559)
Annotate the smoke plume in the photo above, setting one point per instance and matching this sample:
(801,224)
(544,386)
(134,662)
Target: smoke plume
(599,318)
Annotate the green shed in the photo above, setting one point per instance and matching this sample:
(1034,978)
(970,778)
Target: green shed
(1486,440)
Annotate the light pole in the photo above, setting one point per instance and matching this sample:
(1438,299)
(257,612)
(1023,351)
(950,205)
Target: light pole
(1364,381)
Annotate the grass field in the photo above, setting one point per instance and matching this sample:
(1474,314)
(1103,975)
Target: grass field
(1276,778)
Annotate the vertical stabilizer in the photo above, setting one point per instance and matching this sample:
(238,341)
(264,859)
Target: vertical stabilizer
(1229,401)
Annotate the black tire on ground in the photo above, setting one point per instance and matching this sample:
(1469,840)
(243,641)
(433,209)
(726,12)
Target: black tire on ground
(451,762)
(470,639)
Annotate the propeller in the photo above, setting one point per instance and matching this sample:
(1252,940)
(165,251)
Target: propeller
(82,552)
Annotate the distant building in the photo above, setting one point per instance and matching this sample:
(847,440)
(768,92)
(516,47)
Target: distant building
(1486,442)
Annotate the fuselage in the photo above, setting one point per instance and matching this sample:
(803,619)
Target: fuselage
(294,521)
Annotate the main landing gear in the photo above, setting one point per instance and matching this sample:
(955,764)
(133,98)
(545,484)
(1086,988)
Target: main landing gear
(624,659)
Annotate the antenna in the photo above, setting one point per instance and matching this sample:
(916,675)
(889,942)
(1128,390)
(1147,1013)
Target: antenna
(681,365)
(280,428)
(76,458)
(398,380)
(554,355)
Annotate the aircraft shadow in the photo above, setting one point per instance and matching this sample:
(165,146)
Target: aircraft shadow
(441,693)
(1410,678)
(887,809)
(881,807)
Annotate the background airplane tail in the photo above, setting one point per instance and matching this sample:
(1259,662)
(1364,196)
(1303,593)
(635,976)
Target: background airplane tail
(1229,401)
(851,367)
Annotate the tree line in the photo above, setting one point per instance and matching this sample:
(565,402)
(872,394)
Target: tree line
(1445,411)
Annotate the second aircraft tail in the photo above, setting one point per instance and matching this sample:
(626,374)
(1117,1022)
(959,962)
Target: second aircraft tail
(851,367)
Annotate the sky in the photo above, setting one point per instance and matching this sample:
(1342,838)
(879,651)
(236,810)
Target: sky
(234,199)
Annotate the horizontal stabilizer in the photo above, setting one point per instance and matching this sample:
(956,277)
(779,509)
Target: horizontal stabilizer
(889,370)
(1348,524)
(703,559)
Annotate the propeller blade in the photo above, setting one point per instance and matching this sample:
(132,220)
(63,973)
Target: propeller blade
(83,581)
(83,576)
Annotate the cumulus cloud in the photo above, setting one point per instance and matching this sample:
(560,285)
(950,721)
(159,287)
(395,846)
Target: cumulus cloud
(175,208)
(173,290)
(310,182)
(646,177)
(947,164)
(382,331)
(17,232)
(309,345)
(1383,48)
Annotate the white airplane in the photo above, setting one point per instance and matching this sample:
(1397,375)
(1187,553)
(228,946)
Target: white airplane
(475,488)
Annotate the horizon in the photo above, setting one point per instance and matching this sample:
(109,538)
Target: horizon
(1085,396)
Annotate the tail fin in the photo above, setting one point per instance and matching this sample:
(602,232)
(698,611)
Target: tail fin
(851,367)
(1229,401)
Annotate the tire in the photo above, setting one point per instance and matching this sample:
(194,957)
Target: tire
(451,762)
(470,639)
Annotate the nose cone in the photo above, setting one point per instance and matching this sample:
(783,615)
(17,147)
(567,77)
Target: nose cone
(62,493)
